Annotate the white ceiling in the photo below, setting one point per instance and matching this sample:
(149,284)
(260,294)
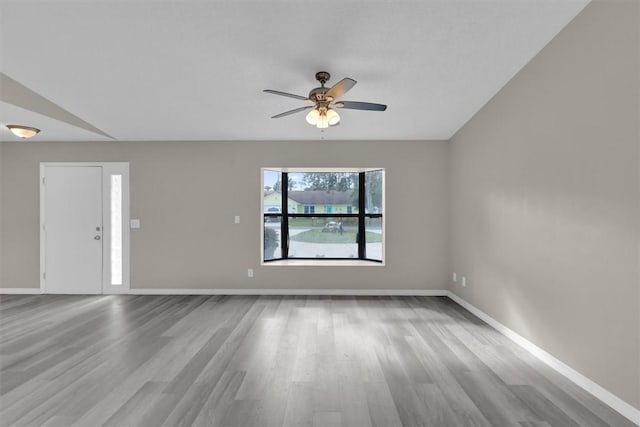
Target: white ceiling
(195,70)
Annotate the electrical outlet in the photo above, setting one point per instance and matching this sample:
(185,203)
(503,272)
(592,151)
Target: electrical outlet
(464,282)
(455,277)
(236,219)
(250,272)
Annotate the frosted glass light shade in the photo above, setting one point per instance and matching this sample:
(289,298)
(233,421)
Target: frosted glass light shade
(24,132)
(313,117)
(323,122)
(333,117)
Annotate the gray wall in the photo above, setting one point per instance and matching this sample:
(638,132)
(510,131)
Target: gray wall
(187,193)
(545,200)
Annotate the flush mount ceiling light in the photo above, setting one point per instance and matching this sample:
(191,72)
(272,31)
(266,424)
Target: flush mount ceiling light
(322,102)
(24,132)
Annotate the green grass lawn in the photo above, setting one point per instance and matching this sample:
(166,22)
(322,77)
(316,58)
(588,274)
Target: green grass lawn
(317,236)
(302,222)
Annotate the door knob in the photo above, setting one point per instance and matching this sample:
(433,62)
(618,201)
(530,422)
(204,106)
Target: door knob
(97,237)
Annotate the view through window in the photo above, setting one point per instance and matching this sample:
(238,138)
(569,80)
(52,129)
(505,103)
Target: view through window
(323,214)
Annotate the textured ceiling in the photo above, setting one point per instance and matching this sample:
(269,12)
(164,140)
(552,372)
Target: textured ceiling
(195,70)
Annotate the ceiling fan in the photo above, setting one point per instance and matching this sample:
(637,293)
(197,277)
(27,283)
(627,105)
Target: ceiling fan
(323,101)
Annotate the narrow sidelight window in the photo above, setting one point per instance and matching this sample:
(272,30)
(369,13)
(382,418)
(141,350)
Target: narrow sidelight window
(116,229)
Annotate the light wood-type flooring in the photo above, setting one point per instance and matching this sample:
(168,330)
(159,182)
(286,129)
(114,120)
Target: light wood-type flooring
(272,361)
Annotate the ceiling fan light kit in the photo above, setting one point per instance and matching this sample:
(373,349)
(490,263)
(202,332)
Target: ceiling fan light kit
(322,118)
(323,113)
(24,132)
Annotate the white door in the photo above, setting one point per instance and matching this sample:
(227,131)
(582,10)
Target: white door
(73,229)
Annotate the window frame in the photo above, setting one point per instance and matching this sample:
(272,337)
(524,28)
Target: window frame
(361,215)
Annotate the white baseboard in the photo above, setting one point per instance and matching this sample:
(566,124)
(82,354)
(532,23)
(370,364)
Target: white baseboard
(24,291)
(329,292)
(207,291)
(625,409)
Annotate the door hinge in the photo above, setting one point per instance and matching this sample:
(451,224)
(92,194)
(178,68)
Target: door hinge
(43,180)
(44,276)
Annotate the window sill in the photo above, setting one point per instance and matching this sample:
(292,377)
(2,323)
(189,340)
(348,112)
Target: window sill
(322,263)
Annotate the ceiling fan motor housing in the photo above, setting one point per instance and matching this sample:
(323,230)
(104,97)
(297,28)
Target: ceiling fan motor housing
(318,94)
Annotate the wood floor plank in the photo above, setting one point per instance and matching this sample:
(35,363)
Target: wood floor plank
(464,411)
(131,411)
(407,401)
(382,409)
(59,421)
(299,411)
(241,361)
(543,407)
(327,419)
(219,402)
(10,380)
(354,405)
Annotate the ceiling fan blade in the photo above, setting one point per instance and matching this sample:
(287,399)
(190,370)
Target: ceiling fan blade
(353,105)
(341,88)
(290,95)
(295,110)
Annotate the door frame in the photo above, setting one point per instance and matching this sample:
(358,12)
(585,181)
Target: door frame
(108,169)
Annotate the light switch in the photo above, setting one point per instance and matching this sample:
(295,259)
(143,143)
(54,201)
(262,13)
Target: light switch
(135,223)
(236,219)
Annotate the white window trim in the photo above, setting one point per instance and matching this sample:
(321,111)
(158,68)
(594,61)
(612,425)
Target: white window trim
(321,262)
